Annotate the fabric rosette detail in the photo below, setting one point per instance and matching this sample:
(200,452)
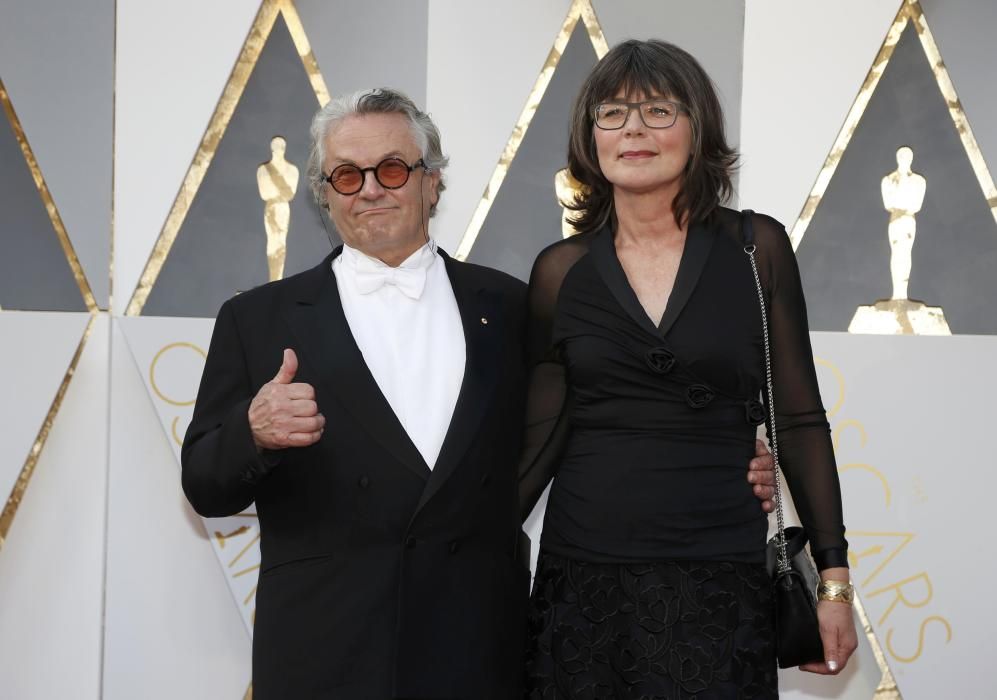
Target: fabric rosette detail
(754,412)
(699,396)
(660,360)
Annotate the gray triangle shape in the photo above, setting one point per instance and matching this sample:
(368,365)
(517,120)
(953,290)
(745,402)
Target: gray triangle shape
(34,272)
(220,248)
(845,255)
(525,217)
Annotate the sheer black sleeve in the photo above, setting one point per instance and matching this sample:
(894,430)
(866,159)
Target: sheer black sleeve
(805,449)
(548,400)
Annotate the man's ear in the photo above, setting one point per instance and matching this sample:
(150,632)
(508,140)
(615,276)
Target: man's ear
(434,187)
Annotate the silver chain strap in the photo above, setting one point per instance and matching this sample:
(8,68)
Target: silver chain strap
(783,557)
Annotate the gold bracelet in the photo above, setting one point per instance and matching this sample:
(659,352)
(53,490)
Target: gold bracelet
(836,591)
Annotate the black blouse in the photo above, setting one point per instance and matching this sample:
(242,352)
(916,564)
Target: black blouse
(649,429)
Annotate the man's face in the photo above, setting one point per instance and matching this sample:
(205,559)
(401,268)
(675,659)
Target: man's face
(389,224)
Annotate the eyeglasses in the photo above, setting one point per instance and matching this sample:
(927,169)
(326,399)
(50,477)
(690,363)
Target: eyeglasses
(656,114)
(391,173)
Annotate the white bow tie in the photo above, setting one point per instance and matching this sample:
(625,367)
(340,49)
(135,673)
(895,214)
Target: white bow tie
(409,280)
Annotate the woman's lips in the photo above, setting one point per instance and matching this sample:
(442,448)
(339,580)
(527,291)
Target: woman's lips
(633,155)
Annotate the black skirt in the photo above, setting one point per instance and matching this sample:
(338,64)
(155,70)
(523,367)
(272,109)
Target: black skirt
(661,630)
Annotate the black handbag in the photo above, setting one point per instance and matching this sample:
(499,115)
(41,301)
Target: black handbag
(797,631)
(794,576)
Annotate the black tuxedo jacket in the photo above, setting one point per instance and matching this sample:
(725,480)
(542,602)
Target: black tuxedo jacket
(380,578)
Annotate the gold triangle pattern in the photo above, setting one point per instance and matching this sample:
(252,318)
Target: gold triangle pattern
(16,495)
(258,34)
(580,10)
(910,11)
(46,196)
(28,470)
(887,688)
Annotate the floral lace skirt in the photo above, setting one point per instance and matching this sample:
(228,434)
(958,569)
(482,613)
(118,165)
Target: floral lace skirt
(661,630)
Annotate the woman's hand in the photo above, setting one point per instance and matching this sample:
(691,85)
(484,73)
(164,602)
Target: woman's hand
(837,630)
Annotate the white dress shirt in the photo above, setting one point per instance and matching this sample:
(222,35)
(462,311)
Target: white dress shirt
(407,325)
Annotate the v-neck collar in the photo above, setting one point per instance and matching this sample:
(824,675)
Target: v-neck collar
(698,243)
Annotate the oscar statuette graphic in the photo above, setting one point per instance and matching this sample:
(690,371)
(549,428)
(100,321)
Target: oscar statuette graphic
(903,194)
(277,180)
(566,189)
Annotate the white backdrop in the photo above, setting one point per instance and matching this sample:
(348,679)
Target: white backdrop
(109,583)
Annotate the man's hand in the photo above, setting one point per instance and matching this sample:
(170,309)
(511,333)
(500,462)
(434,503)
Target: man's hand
(284,413)
(761,473)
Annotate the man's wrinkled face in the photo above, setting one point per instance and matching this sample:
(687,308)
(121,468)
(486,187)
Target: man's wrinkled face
(383,223)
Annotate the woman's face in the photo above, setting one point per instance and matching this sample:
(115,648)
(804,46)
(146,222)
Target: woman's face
(636,158)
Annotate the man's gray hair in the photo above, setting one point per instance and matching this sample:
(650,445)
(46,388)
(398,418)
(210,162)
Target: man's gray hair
(376,101)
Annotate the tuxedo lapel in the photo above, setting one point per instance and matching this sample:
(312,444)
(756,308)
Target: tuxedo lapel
(483,327)
(316,318)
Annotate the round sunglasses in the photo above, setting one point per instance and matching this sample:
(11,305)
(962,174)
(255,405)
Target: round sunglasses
(391,174)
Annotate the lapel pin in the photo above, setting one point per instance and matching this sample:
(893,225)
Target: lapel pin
(484,321)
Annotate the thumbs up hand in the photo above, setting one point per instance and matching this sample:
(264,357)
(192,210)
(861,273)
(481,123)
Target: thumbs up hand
(288,368)
(284,413)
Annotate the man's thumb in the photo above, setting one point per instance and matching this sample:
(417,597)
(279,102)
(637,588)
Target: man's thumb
(288,368)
